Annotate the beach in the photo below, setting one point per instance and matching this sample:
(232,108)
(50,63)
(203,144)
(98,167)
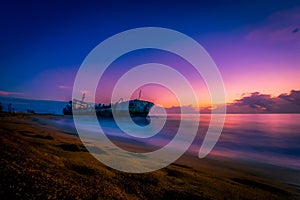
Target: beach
(40,160)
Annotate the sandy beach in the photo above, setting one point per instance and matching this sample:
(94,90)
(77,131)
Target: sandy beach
(40,160)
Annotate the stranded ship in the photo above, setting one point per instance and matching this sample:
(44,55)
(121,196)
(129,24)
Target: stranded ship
(136,108)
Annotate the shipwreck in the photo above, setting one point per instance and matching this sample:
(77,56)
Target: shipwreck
(135,107)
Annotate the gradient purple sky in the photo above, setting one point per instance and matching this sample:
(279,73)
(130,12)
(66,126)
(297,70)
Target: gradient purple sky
(255,45)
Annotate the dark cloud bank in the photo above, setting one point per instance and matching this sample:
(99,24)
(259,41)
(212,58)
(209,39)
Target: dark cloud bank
(256,103)
(264,103)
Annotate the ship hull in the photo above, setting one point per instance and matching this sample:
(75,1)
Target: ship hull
(135,108)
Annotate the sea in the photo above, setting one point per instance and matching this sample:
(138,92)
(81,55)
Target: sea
(272,139)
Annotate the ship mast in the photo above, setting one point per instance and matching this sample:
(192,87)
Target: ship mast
(83,97)
(140,94)
(82,101)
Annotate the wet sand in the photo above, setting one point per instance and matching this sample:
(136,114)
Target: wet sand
(40,160)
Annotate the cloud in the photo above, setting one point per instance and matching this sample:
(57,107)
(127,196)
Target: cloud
(6,93)
(63,87)
(185,109)
(254,102)
(293,97)
(52,84)
(265,103)
(280,26)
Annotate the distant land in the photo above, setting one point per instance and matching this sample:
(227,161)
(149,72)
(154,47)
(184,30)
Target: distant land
(252,103)
(38,106)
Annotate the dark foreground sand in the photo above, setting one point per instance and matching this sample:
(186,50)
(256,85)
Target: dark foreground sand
(42,161)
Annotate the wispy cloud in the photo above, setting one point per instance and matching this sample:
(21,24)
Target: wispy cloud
(54,84)
(64,87)
(7,93)
(185,109)
(280,26)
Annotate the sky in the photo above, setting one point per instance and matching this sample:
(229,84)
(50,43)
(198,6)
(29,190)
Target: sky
(256,45)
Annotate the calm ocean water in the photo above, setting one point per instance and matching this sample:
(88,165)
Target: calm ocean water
(264,138)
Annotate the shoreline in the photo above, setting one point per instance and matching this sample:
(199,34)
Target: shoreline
(42,160)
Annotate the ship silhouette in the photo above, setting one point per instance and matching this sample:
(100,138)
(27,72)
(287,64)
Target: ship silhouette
(135,107)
